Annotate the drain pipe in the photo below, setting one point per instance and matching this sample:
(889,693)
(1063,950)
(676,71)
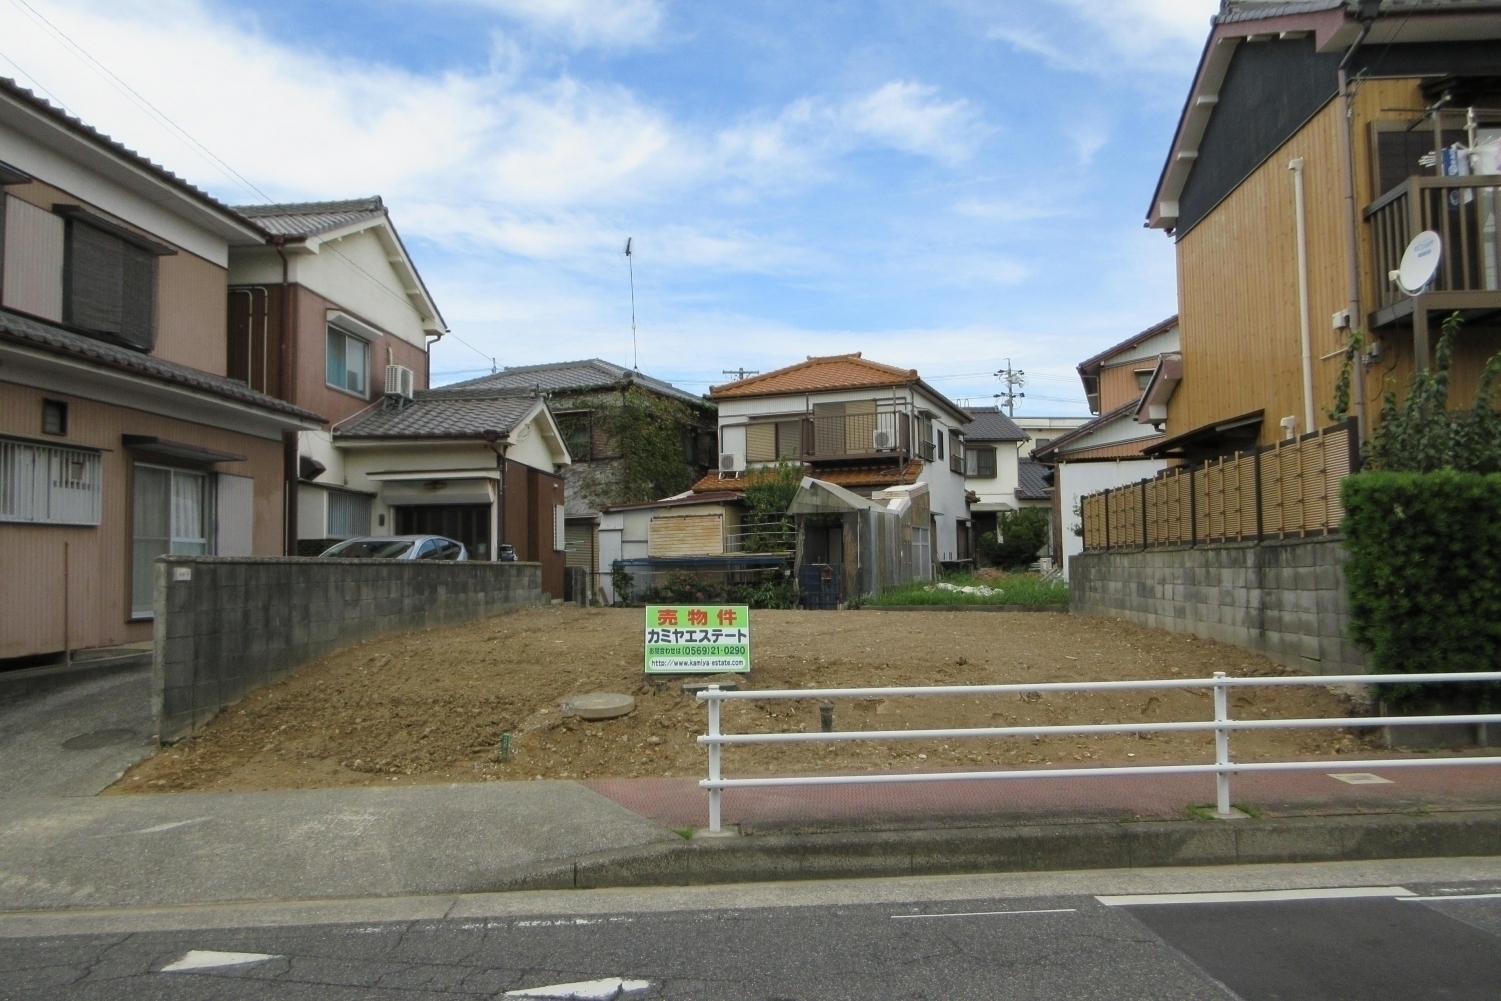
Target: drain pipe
(492,438)
(1366,14)
(1296,166)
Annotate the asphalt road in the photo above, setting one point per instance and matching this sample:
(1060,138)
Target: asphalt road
(923,940)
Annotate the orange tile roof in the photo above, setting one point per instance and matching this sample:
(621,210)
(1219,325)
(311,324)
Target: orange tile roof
(819,373)
(845,476)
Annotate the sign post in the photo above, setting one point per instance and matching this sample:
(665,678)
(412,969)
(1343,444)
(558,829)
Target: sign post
(697,639)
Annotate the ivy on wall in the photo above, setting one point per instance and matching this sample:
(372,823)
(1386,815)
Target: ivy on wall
(649,440)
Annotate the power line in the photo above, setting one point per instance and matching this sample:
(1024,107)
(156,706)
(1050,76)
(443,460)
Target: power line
(1013,380)
(34,82)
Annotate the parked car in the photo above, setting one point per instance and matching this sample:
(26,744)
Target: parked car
(399,547)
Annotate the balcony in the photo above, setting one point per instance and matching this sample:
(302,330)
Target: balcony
(862,436)
(1464,212)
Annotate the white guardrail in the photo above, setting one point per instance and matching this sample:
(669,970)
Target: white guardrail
(1222,725)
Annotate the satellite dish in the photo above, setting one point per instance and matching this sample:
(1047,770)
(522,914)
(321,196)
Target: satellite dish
(1419,262)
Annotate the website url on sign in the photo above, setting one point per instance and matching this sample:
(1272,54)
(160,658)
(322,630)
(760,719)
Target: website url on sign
(694,663)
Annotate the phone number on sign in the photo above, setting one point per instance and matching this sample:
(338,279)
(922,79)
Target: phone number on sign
(696,651)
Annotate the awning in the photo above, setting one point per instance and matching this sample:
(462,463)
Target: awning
(820,497)
(1212,440)
(437,490)
(490,473)
(1164,382)
(152,445)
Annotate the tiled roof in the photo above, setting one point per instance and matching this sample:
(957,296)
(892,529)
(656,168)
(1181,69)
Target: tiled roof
(304,219)
(992,425)
(1127,344)
(590,373)
(1256,10)
(44,336)
(10,88)
(440,414)
(1030,482)
(1058,445)
(849,477)
(829,372)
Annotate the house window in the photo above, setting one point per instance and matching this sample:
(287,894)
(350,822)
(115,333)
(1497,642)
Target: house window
(1143,377)
(109,284)
(171,515)
(956,452)
(348,514)
(577,428)
(938,439)
(348,362)
(979,462)
(54,417)
(49,486)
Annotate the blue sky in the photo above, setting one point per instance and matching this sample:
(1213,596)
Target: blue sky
(940,185)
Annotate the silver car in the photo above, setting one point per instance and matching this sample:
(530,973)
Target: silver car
(399,547)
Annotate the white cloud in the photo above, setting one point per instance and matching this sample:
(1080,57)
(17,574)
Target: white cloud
(1102,36)
(604,23)
(908,116)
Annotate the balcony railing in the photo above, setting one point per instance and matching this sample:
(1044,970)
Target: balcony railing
(878,434)
(1464,211)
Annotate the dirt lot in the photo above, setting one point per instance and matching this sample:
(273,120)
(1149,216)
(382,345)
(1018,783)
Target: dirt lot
(431,706)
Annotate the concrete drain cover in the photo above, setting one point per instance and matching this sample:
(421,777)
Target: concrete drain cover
(100,738)
(598,705)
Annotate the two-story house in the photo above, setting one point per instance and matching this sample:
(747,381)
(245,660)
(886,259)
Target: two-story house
(1317,140)
(631,438)
(124,435)
(1115,447)
(992,468)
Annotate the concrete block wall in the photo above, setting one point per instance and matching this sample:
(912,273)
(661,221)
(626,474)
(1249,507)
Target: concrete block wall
(1284,599)
(226,625)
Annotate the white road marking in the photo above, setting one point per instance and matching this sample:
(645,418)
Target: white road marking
(167,827)
(1254,896)
(1361,778)
(586,990)
(207,960)
(1457,896)
(984,914)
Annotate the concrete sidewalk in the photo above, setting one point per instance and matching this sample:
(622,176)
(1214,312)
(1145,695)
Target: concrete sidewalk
(202,848)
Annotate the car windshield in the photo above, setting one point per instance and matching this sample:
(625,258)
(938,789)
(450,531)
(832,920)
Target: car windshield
(371,549)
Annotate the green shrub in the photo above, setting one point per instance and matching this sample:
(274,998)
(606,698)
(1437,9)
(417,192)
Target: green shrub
(1424,574)
(1018,537)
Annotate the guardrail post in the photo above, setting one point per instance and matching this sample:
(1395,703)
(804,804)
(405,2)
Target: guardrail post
(1221,747)
(713,697)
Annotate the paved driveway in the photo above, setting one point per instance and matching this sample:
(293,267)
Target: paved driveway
(77,740)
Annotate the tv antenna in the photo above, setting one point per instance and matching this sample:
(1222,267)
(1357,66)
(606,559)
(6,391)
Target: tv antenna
(739,373)
(630,264)
(1013,379)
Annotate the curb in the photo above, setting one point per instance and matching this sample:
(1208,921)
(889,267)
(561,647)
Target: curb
(959,851)
(963,608)
(32,680)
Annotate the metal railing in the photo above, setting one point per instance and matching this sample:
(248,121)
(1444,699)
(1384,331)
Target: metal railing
(1462,210)
(1222,725)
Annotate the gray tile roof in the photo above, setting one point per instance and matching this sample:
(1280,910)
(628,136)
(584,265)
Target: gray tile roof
(992,425)
(56,340)
(1030,482)
(1255,10)
(306,219)
(590,373)
(440,414)
(10,88)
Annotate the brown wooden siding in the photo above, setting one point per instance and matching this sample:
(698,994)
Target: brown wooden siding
(686,535)
(31,586)
(309,358)
(1238,284)
(1126,450)
(1118,383)
(530,495)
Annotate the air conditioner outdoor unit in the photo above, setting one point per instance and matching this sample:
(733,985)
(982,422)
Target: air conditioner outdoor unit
(399,381)
(882,440)
(731,462)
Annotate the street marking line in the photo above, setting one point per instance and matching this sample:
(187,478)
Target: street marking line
(584,990)
(1456,896)
(1361,778)
(203,959)
(167,827)
(1254,896)
(984,914)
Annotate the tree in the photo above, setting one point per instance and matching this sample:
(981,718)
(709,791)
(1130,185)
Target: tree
(1018,537)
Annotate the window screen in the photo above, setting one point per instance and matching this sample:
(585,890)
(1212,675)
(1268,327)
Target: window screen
(348,361)
(979,462)
(171,515)
(109,286)
(348,515)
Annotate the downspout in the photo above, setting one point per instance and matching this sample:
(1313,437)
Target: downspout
(492,438)
(289,438)
(1296,166)
(1366,14)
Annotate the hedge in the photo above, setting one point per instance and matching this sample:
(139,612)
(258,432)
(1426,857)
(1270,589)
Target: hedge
(1424,574)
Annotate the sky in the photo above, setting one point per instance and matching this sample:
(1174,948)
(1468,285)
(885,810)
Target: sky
(946,185)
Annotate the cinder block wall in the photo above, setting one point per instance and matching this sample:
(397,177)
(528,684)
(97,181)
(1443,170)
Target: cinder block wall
(226,626)
(1284,599)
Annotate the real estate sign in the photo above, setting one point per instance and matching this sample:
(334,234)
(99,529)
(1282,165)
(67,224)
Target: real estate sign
(697,639)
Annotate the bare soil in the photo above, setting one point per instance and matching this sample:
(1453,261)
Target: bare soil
(431,706)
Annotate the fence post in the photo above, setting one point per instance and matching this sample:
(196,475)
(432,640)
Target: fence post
(713,696)
(1106,519)
(1193,509)
(1221,747)
(1143,514)
(1256,460)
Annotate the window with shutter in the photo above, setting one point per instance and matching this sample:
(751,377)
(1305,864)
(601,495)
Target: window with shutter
(109,285)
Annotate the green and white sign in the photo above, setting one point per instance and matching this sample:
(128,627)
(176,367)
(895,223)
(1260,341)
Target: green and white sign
(697,639)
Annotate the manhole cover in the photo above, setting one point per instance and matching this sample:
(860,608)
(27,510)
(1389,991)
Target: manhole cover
(100,738)
(598,705)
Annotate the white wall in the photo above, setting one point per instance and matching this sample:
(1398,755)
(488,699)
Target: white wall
(1076,479)
(1000,489)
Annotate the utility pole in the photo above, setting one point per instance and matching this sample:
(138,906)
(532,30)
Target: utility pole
(739,373)
(1013,380)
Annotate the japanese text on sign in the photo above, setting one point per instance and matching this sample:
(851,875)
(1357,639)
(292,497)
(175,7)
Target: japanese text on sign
(697,639)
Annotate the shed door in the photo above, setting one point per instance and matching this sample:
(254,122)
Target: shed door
(580,542)
(235,516)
